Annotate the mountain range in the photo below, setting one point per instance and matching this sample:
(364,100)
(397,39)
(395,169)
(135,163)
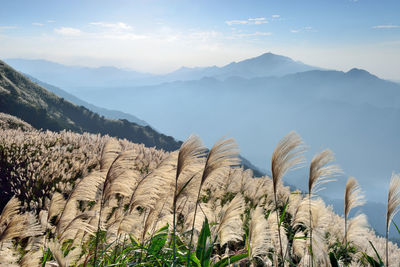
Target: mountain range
(75,78)
(30,102)
(258,101)
(56,110)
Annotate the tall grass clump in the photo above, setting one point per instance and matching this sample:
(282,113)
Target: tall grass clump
(123,204)
(352,198)
(287,154)
(393,206)
(320,173)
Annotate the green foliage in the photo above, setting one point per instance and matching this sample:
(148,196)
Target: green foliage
(343,253)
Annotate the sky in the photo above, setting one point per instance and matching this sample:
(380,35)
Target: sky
(161,36)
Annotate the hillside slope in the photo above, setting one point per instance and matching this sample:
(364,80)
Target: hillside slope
(44,110)
(110,114)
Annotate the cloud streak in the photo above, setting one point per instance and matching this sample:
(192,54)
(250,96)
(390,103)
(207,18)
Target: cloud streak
(68,31)
(7,27)
(250,21)
(389,26)
(119,26)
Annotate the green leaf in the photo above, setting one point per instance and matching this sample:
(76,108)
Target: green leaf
(203,251)
(194,259)
(47,255)
(333,260)
(283,213)
(186,184)
(377,255)
(230,260)
(372,261)
(397,228)
(158,241)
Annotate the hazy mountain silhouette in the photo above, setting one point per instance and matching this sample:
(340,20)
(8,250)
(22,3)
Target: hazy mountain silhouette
(44,110)
(354,113)
(21,97)
(259,100)
(75,78)
(110,114)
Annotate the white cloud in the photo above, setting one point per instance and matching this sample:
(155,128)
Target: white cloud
(124,36)
(235,22)
(304,29)
(389,26)
(119,26)
(37,24)
(276,16)
(51,21)
(240,35)
(7,27)
(68,31)
(257,20)
(250,21)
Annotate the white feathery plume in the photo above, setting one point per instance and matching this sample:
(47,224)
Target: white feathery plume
(56,206)
(287,154)
(393,207)
(78,223)
(151,187)
(230,223)
(87,190)
(122,176)
(9,211)
(353,197)
(110,152)
(357,229)
(259,240)
(320,171)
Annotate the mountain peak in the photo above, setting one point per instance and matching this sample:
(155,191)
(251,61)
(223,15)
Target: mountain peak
(355,72)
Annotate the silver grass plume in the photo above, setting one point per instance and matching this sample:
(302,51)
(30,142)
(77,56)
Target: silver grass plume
(393,206)
(56,249)
(151,187)
(319,222)
(9,211)
(353,197)
(230,222)
(56,206)
(110,151)
(87,190)
(259,240)
(32,258)
(286,155)
(190,152)
(8,256)
(78,223)
(320,172)
(357,229)
(223,154)
(14,225)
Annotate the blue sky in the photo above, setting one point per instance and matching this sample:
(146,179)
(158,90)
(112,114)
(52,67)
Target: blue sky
(160,36)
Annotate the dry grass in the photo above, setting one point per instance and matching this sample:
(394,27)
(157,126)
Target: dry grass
(137,186)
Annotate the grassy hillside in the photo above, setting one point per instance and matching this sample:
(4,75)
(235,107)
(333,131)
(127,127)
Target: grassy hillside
(44,110)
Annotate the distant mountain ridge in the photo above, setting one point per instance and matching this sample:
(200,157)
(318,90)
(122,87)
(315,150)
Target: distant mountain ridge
(73,78)
(42,109)
(354,113)
(110,114)
(27,100)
